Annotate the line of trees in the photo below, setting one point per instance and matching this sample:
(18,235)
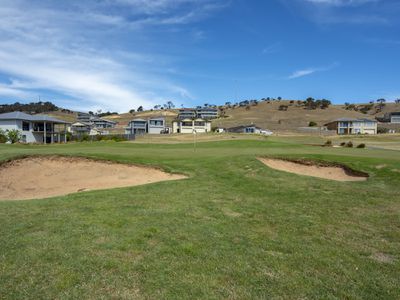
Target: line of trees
(33,107)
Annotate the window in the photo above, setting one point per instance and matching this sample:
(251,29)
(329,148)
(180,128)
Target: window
(249,130)
(199,123)
(25,126)
(187,124)
(156,122)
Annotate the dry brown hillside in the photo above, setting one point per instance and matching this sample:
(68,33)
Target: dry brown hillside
(268,116)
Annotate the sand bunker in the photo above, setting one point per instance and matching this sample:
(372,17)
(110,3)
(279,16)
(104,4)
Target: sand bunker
(41,177)
(309,168)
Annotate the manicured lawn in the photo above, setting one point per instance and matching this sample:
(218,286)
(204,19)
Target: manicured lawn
(235,229)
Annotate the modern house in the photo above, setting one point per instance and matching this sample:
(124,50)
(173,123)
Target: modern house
(142,126)
(83,128)
(206,113)
(35,128)
(353,126)
(249,129)
(395,117)
(191,126)
(95,121)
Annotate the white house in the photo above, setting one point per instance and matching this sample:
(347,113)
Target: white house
(249,129)
(35,128)
(150,126)
(353,126)
(191,126)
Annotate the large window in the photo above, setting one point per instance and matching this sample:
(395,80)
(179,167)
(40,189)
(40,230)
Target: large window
(156,122)
(187,124)
(199,123)
(25,126)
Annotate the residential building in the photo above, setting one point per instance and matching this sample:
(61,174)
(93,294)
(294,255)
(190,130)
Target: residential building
(95,121)
(395,117)
(151,126)
(83,128)
(249,129)
(191,126)
(353,126)
(35,128)
(136,127)
(206,113)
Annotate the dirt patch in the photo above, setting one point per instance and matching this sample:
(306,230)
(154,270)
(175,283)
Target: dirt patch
(383,258)
(315,169)
(48,176)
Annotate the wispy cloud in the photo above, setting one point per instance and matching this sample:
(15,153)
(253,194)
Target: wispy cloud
(310,71)
(357,12)
(67,49)
(273,48)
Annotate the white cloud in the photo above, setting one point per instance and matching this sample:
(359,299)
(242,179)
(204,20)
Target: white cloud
(310,71)
(67,48)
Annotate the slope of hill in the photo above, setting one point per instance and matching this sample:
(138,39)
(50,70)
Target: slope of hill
(267,115)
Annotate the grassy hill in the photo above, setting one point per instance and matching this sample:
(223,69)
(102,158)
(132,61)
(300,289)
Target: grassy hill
(265,115)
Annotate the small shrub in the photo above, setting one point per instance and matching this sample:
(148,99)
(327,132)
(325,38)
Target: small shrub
(342,144)
(14,136)
(3,136)
(328,143)
(349,144)
(312,124)
(84,138)
(361,146)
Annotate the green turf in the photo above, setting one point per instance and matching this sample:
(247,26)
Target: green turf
(235,229)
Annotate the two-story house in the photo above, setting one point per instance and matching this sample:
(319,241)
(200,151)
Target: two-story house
(35,128)
(353,126)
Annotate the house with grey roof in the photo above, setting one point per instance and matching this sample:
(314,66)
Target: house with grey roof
(353,126)
(35,128)
(151,126)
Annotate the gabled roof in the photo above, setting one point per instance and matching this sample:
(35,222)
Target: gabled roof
(17,115)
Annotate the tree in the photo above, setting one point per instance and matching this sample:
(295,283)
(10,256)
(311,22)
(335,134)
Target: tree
(309,103)
(381,102)
(312,124)
(325,103)
(131,111)
(14,136)
(397,101)
(228,104)
(279,98)
(170,105)
(140,108)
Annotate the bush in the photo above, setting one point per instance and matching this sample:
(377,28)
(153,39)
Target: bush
(3,136)
(342,144)
(312,124)
(361,146)
(328,143)
(349,144)
(14,136)
(383,130)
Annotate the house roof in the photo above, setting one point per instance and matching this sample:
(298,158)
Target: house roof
(353,120)
(244,126)
(395,113)
(18,115)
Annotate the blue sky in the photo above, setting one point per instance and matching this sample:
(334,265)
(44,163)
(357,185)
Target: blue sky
(119,54)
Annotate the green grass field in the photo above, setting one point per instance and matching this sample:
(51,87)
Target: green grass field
(235,229)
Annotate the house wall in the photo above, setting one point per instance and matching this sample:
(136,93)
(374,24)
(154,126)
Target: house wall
(178,128)
(27,136)
(356,127)
(395,119)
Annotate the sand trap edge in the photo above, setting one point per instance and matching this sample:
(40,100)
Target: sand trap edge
(318,163)
(8,162)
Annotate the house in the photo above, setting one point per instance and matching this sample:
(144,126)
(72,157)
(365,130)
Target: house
(191,126)
(206,113)
(95,121)
(83,128)
(35,128)
(395,117)
(136,127)
(151,126)
(249,129)
(353,126)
